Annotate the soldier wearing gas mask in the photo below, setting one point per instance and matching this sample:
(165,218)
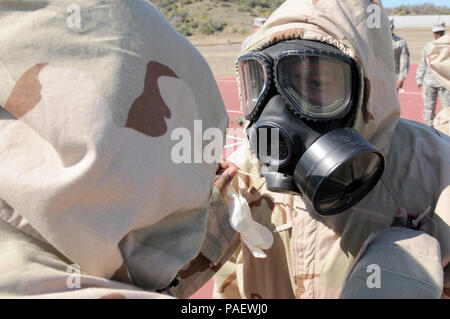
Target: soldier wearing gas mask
(330,169)
(298,96)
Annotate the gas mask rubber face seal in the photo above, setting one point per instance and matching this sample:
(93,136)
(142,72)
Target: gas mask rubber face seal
(300,98)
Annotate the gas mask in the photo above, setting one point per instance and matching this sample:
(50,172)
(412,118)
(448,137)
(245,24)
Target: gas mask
(300,98)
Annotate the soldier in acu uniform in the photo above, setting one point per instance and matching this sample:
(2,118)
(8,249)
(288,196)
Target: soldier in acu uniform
(401,57)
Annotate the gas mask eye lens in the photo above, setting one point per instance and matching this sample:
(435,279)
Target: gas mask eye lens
(315,87)
(253,82)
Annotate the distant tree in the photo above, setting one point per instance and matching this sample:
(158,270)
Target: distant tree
(197,16)
(422,9)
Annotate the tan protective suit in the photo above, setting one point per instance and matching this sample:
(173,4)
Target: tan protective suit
(439,61)
(90,96)
(327,257)
(91,93)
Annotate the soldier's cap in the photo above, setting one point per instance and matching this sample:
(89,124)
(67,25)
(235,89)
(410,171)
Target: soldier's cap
(439,27)
(391,20)
(258,22)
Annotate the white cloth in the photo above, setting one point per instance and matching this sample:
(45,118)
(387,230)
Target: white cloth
(255,236)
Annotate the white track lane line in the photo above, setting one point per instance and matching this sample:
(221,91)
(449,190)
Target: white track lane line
(233,111)
(234,144)
(412,93)
(402,91)
(235,138)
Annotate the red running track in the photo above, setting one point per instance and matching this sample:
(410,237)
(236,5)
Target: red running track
(411,108)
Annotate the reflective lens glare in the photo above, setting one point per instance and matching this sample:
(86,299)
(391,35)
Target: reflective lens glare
(318,87)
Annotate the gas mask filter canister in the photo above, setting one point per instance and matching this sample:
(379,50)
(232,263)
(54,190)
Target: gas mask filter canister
(299,96)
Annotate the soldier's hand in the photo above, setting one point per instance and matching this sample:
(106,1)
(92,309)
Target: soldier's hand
(419,86)
(399,84)
(226,172)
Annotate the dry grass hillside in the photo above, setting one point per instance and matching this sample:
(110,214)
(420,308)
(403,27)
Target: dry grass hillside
(224,17)
(217,27)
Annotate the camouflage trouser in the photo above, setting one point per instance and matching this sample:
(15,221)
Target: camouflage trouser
(430,94)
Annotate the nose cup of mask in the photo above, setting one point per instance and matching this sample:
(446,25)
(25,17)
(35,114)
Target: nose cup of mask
(338,170)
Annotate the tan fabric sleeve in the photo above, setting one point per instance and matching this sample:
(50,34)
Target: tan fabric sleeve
(226,282)
(30,268)
(220,243)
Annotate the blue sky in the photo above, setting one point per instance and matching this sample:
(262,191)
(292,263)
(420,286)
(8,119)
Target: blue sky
(395,3)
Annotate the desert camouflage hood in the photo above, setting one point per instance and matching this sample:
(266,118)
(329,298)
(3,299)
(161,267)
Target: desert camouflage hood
(358,29)
(91,93)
